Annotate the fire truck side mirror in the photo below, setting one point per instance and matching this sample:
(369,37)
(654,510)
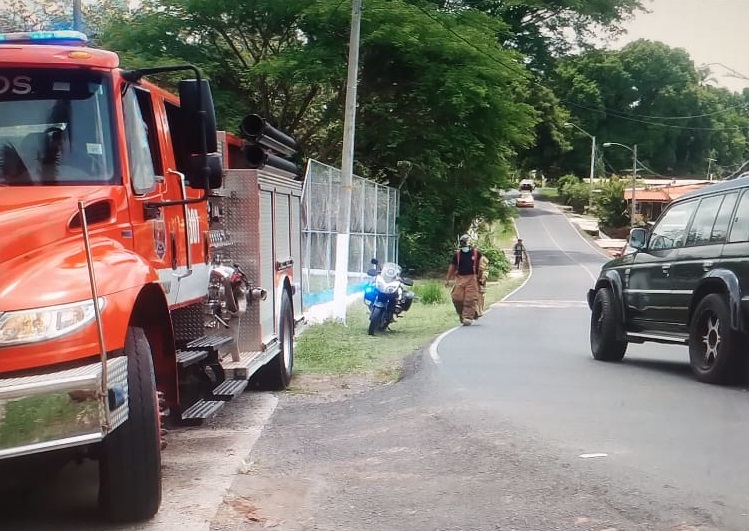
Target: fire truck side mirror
(193,99)
(196,174)
(196,100)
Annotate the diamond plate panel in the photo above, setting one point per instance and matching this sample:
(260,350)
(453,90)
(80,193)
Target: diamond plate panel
(188,323)
(117,377)
(240,219)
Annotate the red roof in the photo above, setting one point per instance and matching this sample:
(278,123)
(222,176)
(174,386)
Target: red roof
(665,194)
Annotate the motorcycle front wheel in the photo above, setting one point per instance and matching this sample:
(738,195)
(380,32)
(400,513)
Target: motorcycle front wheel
(375,319)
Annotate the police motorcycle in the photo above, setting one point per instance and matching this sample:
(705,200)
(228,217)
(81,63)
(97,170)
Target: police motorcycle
(386,295)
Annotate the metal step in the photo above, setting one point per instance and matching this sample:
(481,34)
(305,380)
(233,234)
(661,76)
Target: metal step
(210,343)
(202,410)
(228,389)
(248,364)
(186,358)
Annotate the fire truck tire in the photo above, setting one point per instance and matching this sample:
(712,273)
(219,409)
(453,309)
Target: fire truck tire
(276,374)
(130,460)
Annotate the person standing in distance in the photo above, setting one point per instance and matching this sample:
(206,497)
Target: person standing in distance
(464,269)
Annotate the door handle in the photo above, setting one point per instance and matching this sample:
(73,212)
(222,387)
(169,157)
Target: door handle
(666,269)
(708,265)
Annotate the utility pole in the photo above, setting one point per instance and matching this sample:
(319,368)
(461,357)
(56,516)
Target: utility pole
(592,173)
(632,150)
(340,288)
(592,161)
(634,180)
(709,165)
(77,15)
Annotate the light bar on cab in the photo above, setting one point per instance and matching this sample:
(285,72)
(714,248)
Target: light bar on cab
(64,37)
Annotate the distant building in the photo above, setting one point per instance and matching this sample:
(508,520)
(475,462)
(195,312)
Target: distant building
(650,201)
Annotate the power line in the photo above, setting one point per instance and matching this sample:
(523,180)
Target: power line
(604,110)
(645,116)
(630,118)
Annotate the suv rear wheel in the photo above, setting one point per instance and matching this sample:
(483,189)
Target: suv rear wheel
(713,347)
(603,342)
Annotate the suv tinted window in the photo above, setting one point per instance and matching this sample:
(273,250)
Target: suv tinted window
(720,229)
(702,226)
(671,230)
(740,227)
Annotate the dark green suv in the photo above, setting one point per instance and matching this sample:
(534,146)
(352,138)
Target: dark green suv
(687,282)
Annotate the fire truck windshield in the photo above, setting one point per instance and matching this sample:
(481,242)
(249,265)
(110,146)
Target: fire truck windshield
(55,127)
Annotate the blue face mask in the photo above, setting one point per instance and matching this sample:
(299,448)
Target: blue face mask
(465,249)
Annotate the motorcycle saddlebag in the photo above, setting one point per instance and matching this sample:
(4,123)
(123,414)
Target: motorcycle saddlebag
(408,298)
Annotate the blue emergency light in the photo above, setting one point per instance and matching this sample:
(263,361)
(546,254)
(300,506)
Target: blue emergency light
(63,37)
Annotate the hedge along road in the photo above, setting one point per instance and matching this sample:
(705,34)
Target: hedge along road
(644,425)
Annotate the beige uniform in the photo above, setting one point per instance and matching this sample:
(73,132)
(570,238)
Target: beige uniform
(483,275)
(465,294)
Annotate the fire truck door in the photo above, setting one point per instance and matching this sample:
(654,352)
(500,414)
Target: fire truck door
(171,237)
(147,182)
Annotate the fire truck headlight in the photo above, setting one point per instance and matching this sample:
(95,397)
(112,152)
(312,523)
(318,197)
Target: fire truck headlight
(41,324)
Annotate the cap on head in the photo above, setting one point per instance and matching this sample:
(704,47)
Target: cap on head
(464,239)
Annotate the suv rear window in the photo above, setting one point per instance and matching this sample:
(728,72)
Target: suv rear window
(720,229)
(740,228)
(702,225)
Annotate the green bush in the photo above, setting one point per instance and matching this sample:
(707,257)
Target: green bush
(499,266)
(430,292)
(419,254)
(611,208)
(566,180)
(577,196)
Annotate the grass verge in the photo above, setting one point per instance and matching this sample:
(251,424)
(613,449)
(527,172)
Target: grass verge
(334,349)
(548,194)
(502,235)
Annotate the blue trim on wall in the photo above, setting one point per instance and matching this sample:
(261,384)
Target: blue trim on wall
(321,297)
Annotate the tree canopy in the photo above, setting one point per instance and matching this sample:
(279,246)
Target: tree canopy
(455,97)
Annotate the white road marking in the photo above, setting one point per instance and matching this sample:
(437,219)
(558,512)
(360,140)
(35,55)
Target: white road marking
(592,276)
(433,348)
(594,455)
(541,304)
(530,270)
(586,240)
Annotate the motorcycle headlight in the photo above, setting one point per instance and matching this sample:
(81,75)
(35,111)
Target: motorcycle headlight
(42,324)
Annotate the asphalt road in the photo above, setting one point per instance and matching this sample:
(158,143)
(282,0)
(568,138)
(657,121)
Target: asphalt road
(510,424)
(680,440)
(505,425)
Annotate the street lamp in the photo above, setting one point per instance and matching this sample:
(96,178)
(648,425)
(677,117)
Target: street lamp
(732,72)
(592,160)
(634,174)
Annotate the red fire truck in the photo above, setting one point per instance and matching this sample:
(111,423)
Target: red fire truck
(147,261)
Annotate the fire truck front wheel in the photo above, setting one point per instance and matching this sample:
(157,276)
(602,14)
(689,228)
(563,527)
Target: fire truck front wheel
(130,460)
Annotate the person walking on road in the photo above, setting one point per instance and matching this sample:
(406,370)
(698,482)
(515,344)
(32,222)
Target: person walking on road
(519,251)
(464,268)
(483,277)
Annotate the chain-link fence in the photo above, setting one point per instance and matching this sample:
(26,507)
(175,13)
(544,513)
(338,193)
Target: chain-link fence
(373,230)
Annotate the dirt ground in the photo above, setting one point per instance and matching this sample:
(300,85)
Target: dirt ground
(320,388)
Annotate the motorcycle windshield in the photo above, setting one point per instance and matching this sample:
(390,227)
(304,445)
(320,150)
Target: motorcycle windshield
(390,271)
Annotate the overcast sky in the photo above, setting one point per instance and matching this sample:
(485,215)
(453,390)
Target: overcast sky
(711,31)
